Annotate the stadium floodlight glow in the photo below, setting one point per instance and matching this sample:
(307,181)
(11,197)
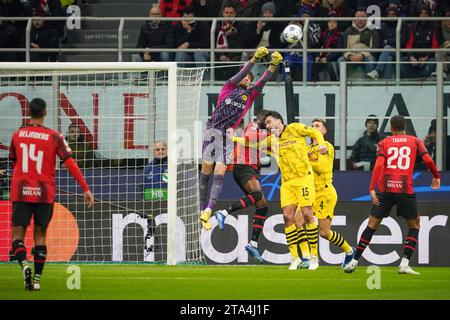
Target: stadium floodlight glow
(120,109)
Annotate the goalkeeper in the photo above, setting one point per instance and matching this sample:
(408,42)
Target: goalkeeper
(235,99)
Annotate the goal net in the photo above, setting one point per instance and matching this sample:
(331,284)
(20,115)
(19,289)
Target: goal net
(133,130)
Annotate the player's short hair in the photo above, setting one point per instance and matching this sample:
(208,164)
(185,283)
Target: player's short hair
(398,123)
(37,108)
(322,121)
(274,114)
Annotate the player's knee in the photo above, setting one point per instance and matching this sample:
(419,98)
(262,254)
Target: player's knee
(255,196)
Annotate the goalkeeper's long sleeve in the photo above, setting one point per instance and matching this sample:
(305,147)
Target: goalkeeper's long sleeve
(242,73)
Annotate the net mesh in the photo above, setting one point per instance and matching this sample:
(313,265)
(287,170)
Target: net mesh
(116,125)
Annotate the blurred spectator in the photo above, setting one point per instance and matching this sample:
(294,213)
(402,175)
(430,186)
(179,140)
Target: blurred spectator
(42,36)
(311,4)
(443,6)
(244,8)
(421,34)
(229,35)
(191,34)
(360,37)
(173,8)
(388,40)
(327,61)
(444,42)
(8,39)
(336,8)
(50,8)
(430,140)
(156,34)
(365,149)
(206,8)
(15,8)
(155,190)
(295,59)
(82,151)
(284,8)
(263,34)
(418,5)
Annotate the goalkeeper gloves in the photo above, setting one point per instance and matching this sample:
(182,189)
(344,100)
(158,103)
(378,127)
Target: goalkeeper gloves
(261,52)
(276,59)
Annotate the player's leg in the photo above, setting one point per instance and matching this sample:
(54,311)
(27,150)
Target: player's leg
(302,215)
(291,235)
(21,217)
(306,193)
(407,207)
(42,217)
(205,175)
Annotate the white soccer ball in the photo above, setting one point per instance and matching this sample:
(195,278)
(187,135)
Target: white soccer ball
(293,33)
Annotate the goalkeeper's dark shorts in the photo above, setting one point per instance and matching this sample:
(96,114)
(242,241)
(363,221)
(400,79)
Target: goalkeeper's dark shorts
(406,205)
(23,211)
(243,173)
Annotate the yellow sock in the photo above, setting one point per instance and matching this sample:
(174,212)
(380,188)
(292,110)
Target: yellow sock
(291,239)
(337,239)
(303,243)
(312,233)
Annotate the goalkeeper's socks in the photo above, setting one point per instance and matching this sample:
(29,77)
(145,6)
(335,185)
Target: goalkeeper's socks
(204,180)
(364,241)
(312,233)
(258,222)
(292,239)
(216,189)
(20,252)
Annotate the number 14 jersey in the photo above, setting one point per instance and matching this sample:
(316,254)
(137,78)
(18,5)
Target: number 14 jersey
(33,151)
(400,152)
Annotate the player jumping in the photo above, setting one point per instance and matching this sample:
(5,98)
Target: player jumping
(235,99)
(246,172)
(326,199)
(33,152)
(392,174)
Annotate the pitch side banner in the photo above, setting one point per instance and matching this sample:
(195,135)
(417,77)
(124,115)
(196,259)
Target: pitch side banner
(115,118)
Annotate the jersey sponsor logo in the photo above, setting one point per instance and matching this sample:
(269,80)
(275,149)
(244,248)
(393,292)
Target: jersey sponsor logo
(34,135)
(287,143)
(229,101)
(31,191)
(244,98)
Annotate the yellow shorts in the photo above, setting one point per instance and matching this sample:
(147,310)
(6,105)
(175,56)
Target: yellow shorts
(325,202)
(300,191)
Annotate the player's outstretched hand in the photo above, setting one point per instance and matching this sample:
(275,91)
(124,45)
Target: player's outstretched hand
(261,52)
(276,58)
(322,149)
(89,199)
(374,197)
(435,183)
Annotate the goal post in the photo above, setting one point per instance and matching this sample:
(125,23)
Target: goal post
(112,104)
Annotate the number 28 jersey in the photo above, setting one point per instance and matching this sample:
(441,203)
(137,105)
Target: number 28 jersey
(400,152)
(33,151)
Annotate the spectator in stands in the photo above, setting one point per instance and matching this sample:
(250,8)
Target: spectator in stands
(364,150)
(155,190)
(384,68)
(421,34)
(42,36)
(8,39)
(244,8)
(444,42)
(359,37)
(206,8)
(156,34)
(82,151)
(336,8)
(173,8)
(50,8)
(327,61)
(417,6)
(311,4)
(15,8)
(430,140)
(295,59)
(229,35)
(191,34)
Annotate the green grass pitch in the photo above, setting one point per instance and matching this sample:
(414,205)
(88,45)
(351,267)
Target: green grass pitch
(265,282)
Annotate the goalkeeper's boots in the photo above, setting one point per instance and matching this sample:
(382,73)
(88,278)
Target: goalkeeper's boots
(305,264)
(351,266)
(295,262)
(314,263)
(348,257)
(407,270)
(28,278)
(254,253)
(204,218)
(220,216)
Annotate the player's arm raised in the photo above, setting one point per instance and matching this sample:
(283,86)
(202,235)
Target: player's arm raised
(260,53)
(304,130)
(324,162)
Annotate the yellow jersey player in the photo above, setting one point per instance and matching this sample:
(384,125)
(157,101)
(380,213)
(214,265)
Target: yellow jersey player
(326,199)
(297,192)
